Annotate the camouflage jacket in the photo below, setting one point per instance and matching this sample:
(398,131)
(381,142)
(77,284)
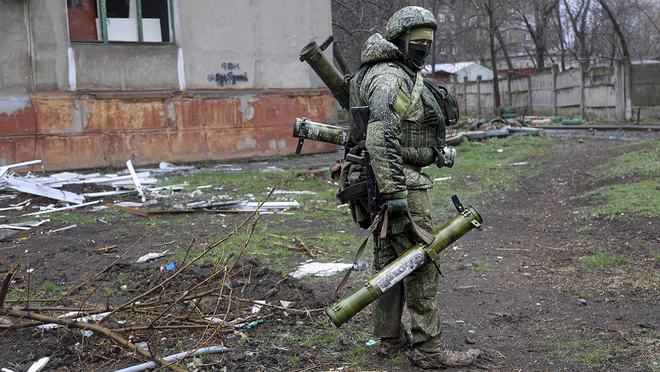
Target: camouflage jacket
(403,133)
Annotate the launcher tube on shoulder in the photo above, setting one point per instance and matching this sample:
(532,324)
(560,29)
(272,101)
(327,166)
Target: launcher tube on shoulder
(307,129)
(313,54)
(414,257)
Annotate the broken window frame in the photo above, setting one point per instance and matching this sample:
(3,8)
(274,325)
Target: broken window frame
(102,11)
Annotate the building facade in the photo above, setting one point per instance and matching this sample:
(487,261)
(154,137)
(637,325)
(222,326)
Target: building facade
(91,83)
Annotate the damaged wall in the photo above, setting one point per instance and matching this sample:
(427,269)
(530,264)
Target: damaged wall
(231,86)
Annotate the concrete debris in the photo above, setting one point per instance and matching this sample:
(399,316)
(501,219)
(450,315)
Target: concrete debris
(319,269)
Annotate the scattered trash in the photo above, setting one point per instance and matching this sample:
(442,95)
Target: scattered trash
(63,228)
(170,266)
(285,304)
(252,324)
(257,307)
(272,168)
(520,163)
(38,365)
(360,266)
(136,180)
(152,256)
(371,343)
(269,206)
(176,357)
(500,150)
(45,191)
(319,269)
(442,179)
(106,249)
(84,319)
(164,166)
(86,333)
(61,209)
(582,302)
(304,192)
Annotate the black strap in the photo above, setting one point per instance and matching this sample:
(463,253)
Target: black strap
(352,191)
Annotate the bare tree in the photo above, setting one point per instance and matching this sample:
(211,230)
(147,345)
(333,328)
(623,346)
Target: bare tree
(536,24)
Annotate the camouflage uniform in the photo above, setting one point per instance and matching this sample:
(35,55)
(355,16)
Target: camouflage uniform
(402,136)
(405,132)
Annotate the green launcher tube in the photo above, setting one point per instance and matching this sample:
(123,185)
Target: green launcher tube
(307,129)
(326,70)
(408,262)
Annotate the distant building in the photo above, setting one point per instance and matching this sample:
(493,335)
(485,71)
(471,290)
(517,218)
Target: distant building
(90,83)
(451,72)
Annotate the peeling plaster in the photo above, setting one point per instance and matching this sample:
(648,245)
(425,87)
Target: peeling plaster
(277,145)
(246,108)
(171,112)
(12,103)
(246,143)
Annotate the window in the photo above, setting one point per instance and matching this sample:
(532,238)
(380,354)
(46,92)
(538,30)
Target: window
(148,21)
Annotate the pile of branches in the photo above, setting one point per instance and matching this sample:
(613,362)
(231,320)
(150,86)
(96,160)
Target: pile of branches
(200,309)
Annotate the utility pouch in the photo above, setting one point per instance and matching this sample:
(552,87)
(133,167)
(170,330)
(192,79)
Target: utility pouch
(446,101)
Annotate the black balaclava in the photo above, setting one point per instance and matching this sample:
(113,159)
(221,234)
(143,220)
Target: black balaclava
(414,54)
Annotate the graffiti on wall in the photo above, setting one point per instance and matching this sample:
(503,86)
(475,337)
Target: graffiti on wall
(230,75)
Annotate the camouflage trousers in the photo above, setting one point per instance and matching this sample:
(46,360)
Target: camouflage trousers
(418,290)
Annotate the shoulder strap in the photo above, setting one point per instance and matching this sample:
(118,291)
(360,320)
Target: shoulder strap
(416,93)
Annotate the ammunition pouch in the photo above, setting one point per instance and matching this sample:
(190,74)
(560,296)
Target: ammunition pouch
(446,101)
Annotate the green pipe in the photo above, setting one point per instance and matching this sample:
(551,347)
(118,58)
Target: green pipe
(414,257)
(333,79)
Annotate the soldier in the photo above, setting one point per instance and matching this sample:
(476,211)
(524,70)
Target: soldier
(406,132)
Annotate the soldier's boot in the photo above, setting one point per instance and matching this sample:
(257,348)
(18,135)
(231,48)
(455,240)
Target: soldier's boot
(432,354)
(392,345)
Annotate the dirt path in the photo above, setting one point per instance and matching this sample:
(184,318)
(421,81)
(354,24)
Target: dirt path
(524,306)
(518,289)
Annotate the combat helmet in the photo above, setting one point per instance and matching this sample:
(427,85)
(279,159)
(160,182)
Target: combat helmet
(408,18)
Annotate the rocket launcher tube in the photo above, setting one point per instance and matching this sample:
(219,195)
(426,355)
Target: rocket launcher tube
(408,262)
(307,129)
(313,54)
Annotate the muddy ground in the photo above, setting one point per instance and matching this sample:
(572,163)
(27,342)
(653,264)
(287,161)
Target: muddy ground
(517,290)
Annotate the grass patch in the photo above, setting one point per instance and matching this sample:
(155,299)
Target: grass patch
(484,168)
(604,258)
(480,267)
(623,201)
(327,338)
(399,359)
(480,170)
(48,287)
(586,353)
(655,255)
(293,360)
(643,162)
